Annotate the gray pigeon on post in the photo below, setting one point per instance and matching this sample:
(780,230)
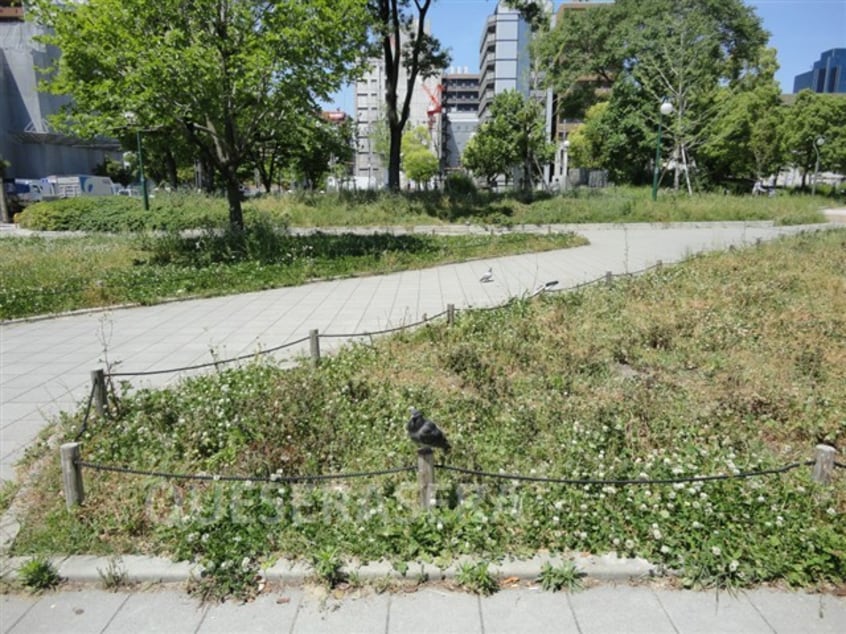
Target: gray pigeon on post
(425,432)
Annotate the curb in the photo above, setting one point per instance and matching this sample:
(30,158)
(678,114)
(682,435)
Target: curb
(141,569)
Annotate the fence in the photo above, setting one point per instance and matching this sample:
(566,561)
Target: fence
(73,465)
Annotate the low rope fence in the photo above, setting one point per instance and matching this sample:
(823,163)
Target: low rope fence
(72,466)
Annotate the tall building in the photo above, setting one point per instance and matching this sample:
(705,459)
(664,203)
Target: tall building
(369,171)
(27,140)
(504,62)
(460,106)
(828,74)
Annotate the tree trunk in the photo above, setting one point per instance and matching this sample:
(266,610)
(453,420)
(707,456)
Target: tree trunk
(170,166)
(233,196)
(4,206)
(394,157)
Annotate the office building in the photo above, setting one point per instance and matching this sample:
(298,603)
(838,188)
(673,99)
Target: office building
(828,74)
(371,121)
(27,140)
(460,106)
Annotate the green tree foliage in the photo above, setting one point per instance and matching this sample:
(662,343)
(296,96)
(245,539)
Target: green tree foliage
(512,139)
(418,161)
(744,139)
(680,50)
(814,116)
(227,73)
(400,34)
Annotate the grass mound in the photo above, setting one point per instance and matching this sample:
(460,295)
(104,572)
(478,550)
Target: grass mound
(726,364)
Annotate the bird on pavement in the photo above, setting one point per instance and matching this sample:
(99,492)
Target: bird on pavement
(487,277)
(425,432)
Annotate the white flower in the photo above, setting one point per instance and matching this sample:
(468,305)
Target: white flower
(830,510)
(245,562)
(733,565)
(665,549)
(440,526)
(629,544)
(715,550)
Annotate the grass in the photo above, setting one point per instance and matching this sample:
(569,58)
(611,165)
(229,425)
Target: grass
(726,363)
(46,275)
(347,209)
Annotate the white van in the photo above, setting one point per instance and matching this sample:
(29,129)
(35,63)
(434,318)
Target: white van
(80,185)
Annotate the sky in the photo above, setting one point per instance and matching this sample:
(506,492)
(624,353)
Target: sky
(800,30)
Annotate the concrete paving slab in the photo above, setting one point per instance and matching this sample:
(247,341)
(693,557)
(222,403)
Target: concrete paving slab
(436,611)
(603,609)
(365,614)
(274,612)
(795,612)
(704,612)
(166,612)
(13,608)
(523,610)
(81,611)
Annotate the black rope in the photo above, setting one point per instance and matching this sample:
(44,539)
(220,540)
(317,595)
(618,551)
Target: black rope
(212,363)
(237,478)
(383,331)
(577,481)
(84,427)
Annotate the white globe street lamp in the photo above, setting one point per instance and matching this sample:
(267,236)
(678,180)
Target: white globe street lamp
(665,110)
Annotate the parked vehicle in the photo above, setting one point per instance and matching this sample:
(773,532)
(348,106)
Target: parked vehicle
(80,185)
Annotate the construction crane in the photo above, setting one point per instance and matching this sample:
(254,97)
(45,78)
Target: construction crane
(435,106)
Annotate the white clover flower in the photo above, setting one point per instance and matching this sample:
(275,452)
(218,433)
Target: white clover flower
(616,541)
(830,510)
(245,562)
(733,565)
(629,544)
(555,519)
(204,538)
(665,549)
(715,550)
(440,526)
(656,533)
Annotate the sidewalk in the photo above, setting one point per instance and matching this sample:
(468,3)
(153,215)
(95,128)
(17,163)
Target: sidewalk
(607,608)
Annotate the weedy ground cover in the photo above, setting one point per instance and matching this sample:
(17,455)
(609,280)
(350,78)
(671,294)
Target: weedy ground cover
(725,364)
(178,211)
(44,275)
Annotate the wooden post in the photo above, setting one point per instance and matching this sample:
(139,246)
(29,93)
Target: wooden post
(315,346)
(450,314)
(98,380)
(426,476)
(758,242)
(824,463)
(72,474)
(609,277)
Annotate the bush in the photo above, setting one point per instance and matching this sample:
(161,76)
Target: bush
(39,574)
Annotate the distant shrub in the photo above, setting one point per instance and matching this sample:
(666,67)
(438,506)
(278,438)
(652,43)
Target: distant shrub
(460,186)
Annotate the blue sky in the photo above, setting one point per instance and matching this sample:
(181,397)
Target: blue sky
(799,30)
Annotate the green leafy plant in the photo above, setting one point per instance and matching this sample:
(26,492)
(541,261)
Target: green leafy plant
(39,574)
(328,567)
(477,578)
(563,577)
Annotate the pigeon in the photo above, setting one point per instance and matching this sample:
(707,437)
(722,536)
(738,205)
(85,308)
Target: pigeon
(487,277)
(425,432)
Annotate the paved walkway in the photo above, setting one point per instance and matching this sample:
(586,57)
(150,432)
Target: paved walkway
(45,365)
(45,368)
(606,609)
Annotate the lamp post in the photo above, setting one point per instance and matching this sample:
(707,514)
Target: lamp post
(131,119)
(565,148)
(817,143)
(665,110)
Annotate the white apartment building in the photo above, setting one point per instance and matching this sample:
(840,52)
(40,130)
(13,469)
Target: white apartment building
(369,171)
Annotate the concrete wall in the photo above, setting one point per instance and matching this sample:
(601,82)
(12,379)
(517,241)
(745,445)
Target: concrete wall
(27,140)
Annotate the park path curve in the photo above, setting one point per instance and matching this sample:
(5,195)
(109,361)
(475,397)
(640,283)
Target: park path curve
(45,364)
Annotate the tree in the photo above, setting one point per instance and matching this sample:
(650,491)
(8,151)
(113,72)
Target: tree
(418,161)
(225,72)
(744,139)
(813,116)
(679,50)
(513,138)
(420,55)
